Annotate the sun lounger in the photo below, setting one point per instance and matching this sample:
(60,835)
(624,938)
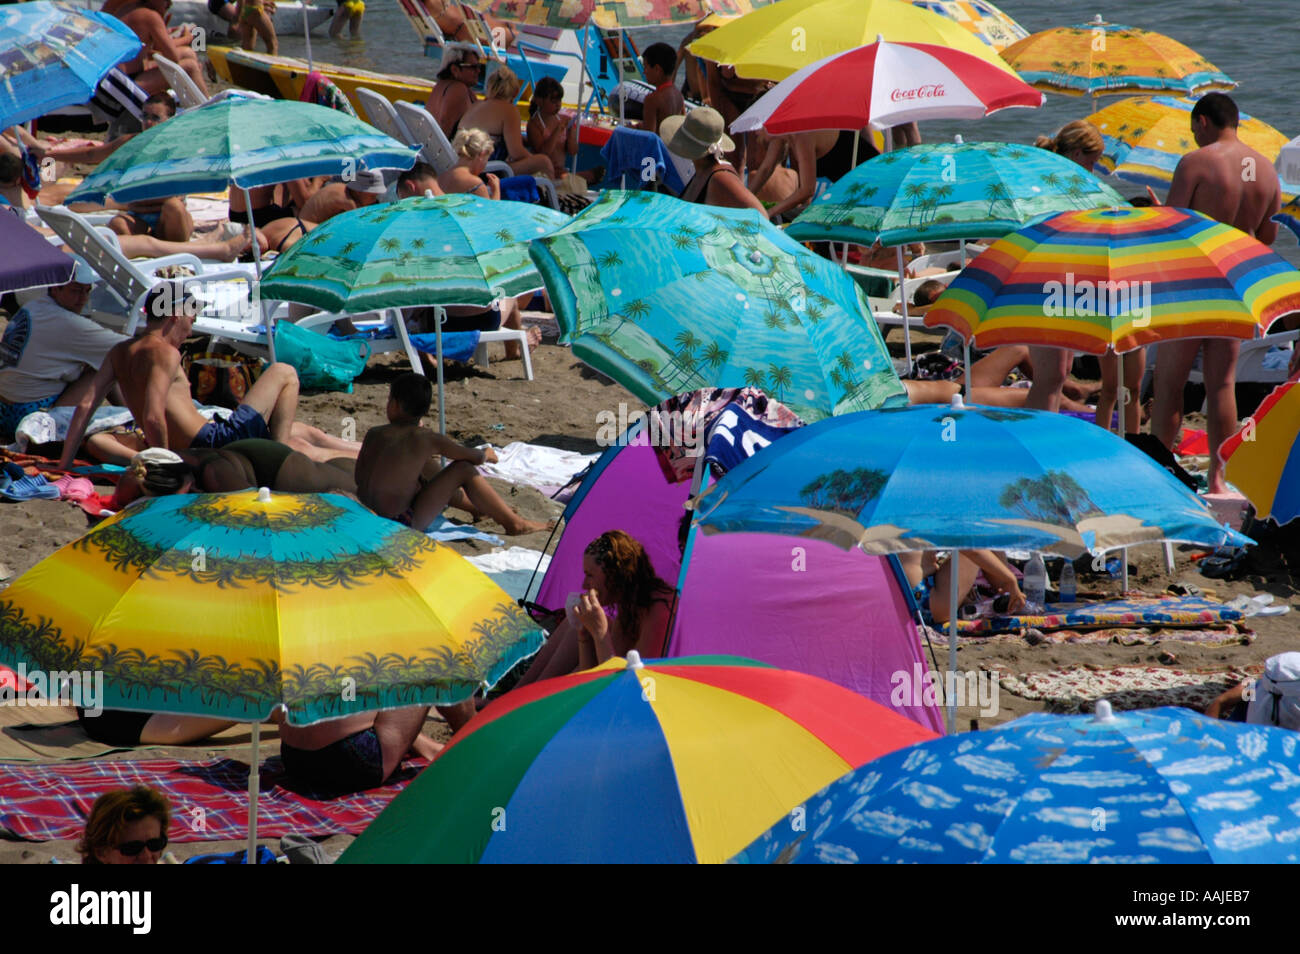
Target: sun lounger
(379,113)
(188,94)
(435,149)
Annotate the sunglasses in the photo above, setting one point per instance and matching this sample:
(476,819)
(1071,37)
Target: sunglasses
(132,848)
(470,66)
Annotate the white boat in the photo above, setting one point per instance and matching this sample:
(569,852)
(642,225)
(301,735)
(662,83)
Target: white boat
(287,19)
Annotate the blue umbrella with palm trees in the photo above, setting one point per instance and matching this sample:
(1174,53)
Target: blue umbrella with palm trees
(931,478)
(665,296)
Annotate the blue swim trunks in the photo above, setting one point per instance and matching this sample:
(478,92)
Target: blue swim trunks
(243,424)
(150,219)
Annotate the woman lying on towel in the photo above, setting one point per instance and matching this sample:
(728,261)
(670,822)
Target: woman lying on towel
(240,465)
(616,572)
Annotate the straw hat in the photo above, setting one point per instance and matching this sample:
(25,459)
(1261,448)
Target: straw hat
(697,133)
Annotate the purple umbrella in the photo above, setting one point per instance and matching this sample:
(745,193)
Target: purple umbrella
(29,260)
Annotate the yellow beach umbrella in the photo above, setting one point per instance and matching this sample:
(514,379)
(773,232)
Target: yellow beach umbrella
(776,40)
(1145,136)
(1109,59)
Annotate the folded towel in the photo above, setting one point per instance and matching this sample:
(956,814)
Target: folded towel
(520,189)
(537,465)
(626,154)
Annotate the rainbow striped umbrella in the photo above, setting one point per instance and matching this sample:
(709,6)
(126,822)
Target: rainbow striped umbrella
(1107,59)
(1119,279)
(1145,136)
(1263,459)
(674,760)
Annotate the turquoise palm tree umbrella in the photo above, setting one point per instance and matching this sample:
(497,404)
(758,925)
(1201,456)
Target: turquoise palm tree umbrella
(956,190)
(665,296)
(442,250)
(250,142)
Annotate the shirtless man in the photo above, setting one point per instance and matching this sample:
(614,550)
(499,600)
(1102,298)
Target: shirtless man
(154,387)
(145,18)
(399,475)
(1226,180)
(334,198)
(659,62)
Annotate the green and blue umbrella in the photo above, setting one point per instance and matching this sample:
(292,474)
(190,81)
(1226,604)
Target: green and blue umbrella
(250,142)
(1160,786)
(665,296)
(54,55)
(444,250)
(938,191)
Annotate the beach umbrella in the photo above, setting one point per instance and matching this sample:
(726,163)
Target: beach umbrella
(54,55)
(1108,59)
(230,605)
(248,142)
(661,761)
(886,84)
(1118,279)
(937,478)
(775,41)
(435,250)
(948,190)
(1262,460)
(981,18)
(1153,786)
(666,296)
(29,260)
(1146,136)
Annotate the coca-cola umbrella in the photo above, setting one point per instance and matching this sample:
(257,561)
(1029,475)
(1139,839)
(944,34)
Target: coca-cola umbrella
(884,84)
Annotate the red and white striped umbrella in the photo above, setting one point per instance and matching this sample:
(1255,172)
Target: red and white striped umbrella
(885,84)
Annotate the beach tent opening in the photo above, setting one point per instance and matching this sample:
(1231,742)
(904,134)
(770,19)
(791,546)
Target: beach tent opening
(803,605)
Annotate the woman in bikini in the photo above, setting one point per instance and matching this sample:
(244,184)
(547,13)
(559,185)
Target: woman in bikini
(699,136)
(453,94)
(616,572)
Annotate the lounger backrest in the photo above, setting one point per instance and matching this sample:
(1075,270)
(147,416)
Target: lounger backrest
(123,279)
(379,113)
(188,94)
(425,132)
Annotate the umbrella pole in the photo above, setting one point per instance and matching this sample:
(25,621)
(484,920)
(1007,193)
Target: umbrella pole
(254,778)
(948,695)
(582,76)
(857,134)
(1121,404)
(306,33)
(968,384)
(622,93)
(257,265)
(441,315)
(962,244)
(902,297)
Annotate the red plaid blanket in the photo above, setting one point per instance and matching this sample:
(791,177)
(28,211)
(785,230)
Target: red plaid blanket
(209,799)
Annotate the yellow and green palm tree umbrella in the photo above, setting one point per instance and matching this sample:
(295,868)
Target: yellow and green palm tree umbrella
(776,40)
(1109,59)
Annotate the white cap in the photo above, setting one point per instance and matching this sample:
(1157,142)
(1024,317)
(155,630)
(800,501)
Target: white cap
(368,181)
(157,455)
(82,273)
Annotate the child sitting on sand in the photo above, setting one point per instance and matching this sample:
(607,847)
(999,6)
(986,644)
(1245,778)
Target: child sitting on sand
(398,473)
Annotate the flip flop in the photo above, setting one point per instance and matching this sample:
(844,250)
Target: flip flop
(24,487)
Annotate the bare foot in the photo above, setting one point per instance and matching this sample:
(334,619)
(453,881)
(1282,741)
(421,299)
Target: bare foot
(425,748)
(534,339)
(528,526)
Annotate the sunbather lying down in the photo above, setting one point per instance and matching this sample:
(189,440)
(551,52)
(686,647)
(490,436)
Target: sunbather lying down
(237,466)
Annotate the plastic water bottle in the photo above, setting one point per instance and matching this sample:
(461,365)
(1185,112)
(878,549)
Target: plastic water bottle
(1036,580)
(1067,586)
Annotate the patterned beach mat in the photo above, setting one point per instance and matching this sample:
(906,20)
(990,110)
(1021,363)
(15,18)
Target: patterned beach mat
(1228,635)
(1186,612)
(209,799)
(1126,687)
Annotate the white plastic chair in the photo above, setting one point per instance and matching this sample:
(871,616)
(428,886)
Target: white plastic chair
(188,94)
(379,113)
(425,132)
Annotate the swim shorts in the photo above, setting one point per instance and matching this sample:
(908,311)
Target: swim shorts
(12,414)
(243,424)
(114,727)
(353,764)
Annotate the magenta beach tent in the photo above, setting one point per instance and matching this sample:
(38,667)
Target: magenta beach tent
(846,617)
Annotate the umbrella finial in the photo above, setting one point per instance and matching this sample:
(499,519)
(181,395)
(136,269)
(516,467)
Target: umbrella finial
(1102,712)
(957,403)
(428,193)
(264,495)
(634,660)
(957,139)
(1096,18)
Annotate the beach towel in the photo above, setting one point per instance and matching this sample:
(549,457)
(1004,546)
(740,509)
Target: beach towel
(323,91)
(210,799)
(520,189)
(536,465)
(456,345)
(626,154)
(513,569)
(51,424)
(1180,611)
(445,531)
(1125,687)
(1231,634)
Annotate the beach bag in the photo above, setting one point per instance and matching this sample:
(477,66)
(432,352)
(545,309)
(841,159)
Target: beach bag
(322,363)
(220,380)
(1276,696)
